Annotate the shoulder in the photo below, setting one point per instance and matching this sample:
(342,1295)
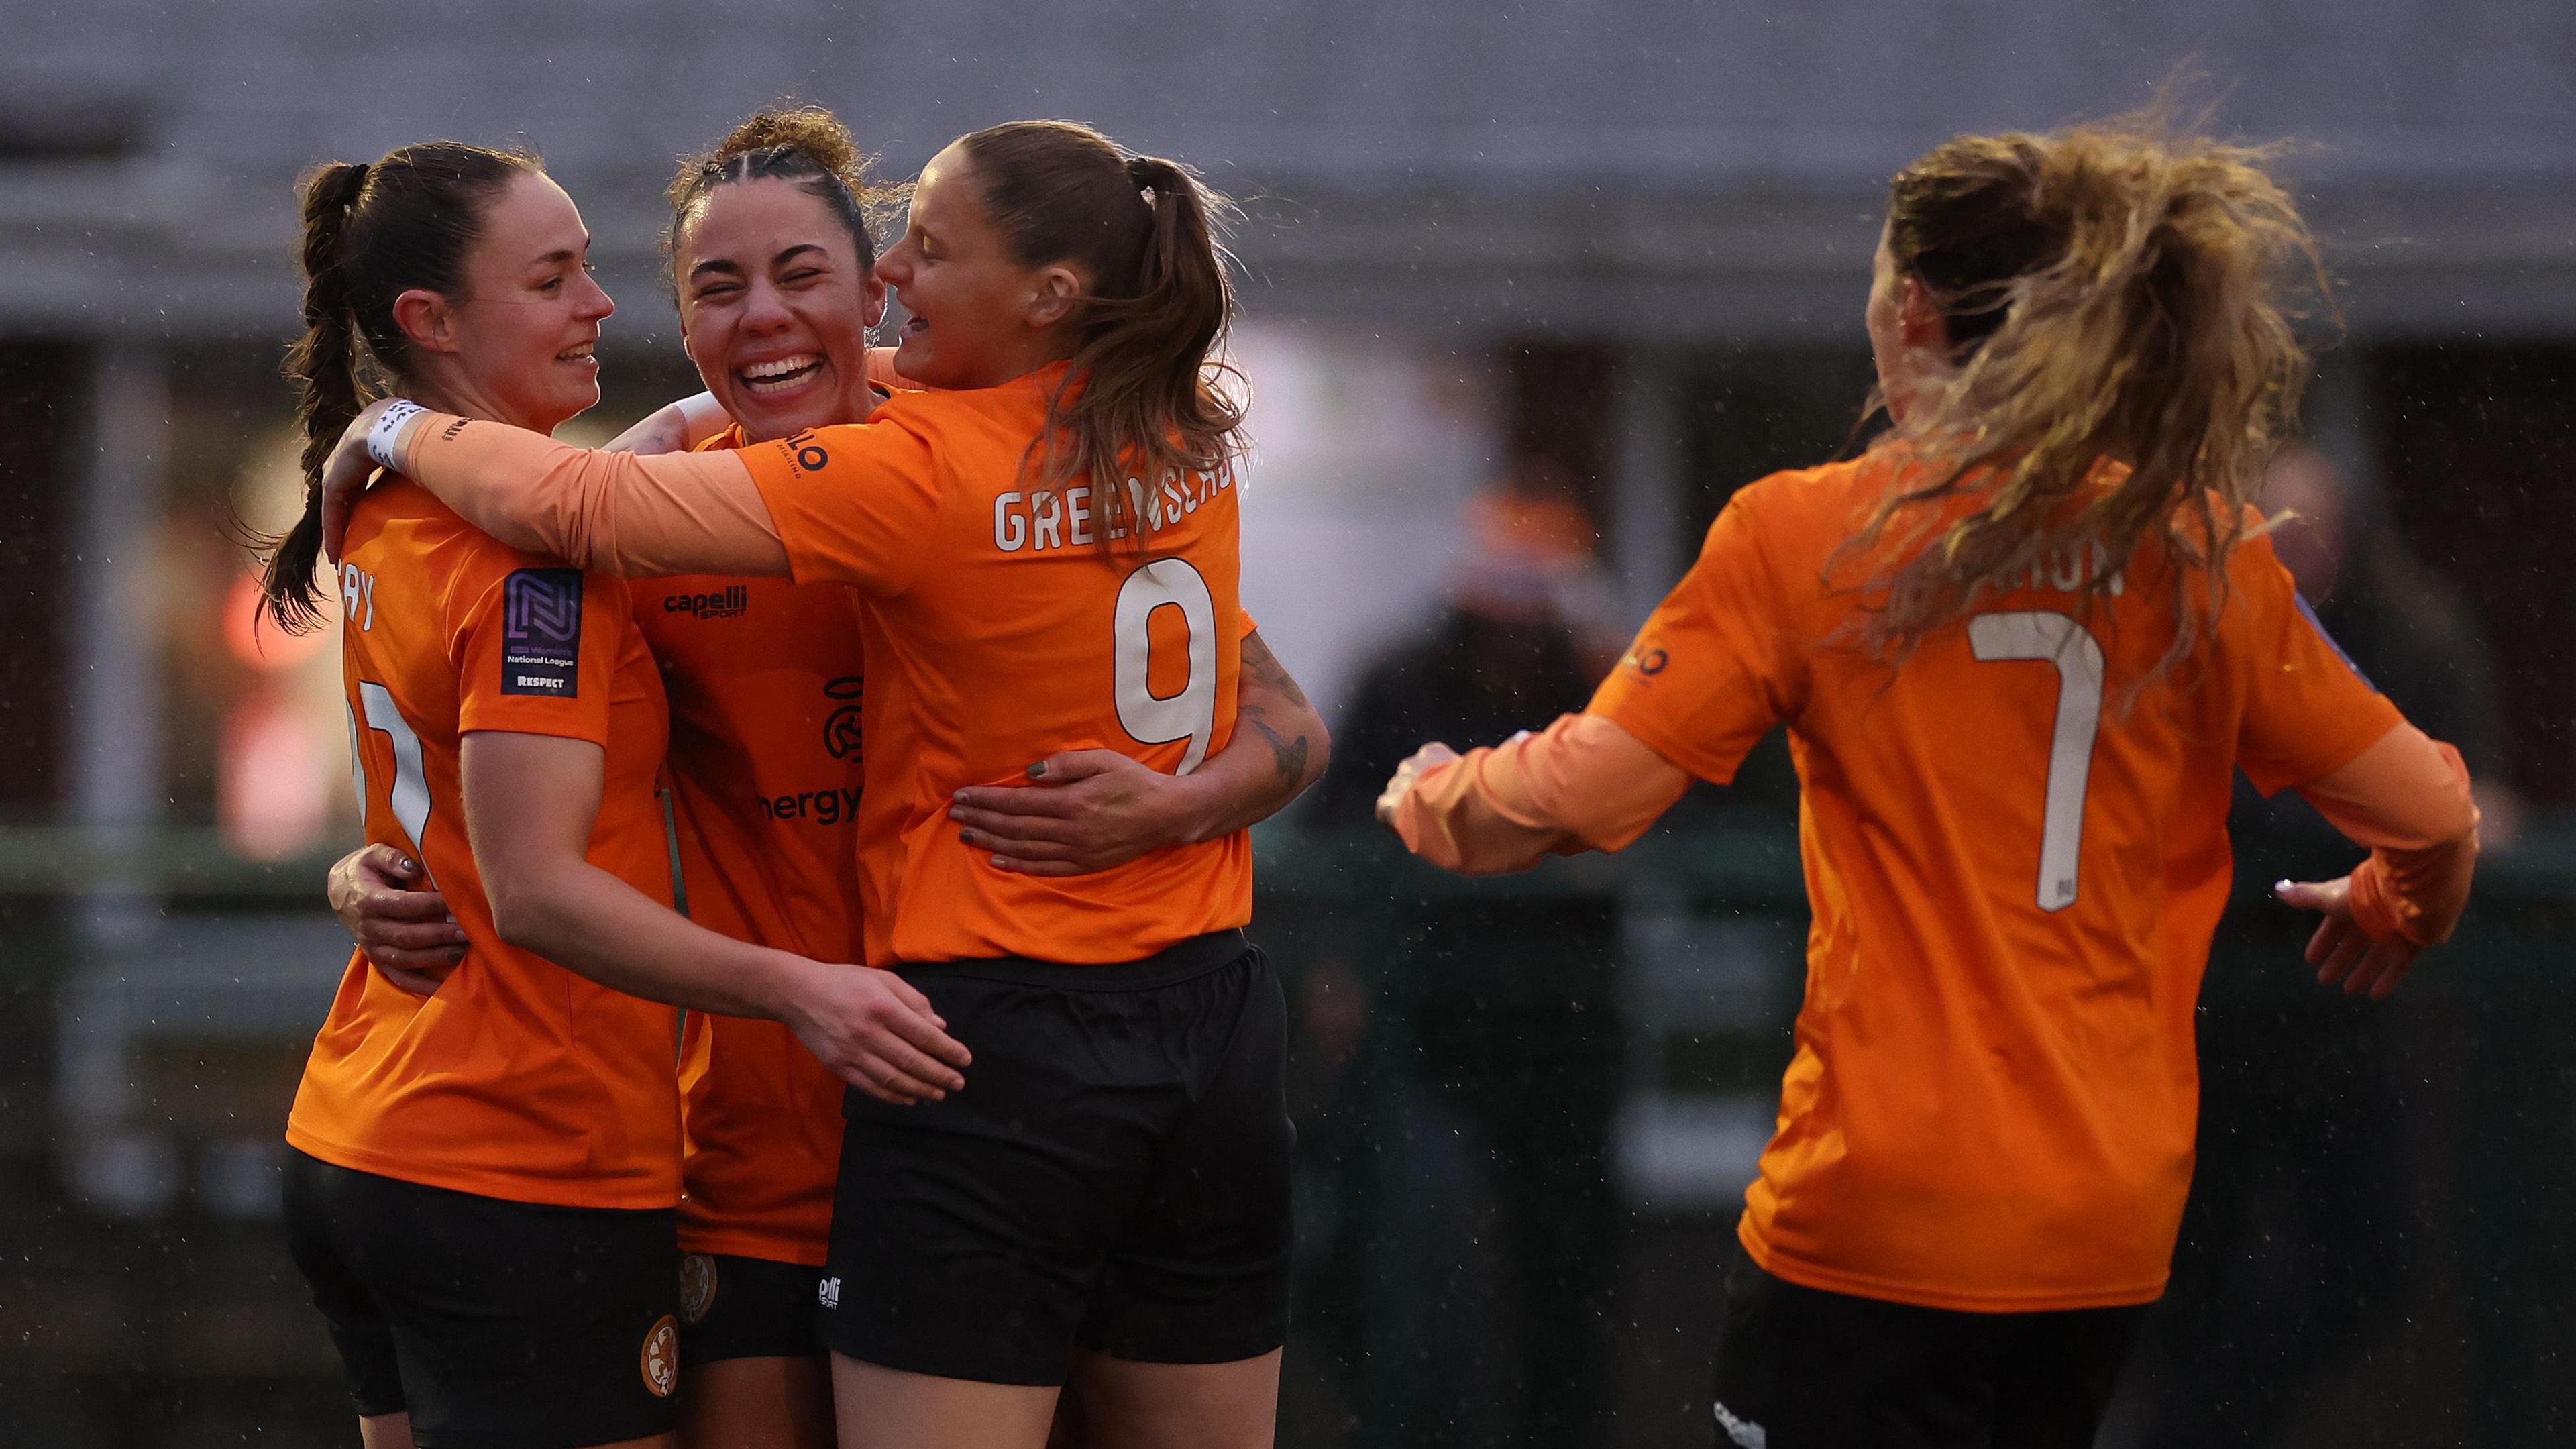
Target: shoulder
(1795,519)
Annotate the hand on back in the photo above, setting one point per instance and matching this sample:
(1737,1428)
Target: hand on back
(345,476)
(875,1032)
(397,917)
(1082,811)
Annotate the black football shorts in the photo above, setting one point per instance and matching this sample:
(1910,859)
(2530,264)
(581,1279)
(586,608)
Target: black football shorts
(1803,1368)
(1114,1176)
(748,1308)
(495,1325)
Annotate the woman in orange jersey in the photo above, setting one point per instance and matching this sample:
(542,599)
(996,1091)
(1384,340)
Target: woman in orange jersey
(1109,1201)
(2021,648)
(773,269)
(485,1164)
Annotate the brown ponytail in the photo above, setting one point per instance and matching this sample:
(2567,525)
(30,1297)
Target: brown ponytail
(371,233)
(1142,398)
(323,365)
(2114,298)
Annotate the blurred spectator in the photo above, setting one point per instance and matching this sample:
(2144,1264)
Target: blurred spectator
(2294,1244)
(2402,623)
(1471,1131)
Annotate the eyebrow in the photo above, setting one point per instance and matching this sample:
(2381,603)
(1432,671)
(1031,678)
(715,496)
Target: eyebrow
(795,250)
(715,264)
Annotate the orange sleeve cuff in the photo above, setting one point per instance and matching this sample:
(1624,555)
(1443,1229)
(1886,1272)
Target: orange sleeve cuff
(2406,798)
(1582,784)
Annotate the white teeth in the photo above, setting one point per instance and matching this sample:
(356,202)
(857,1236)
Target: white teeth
(762,371)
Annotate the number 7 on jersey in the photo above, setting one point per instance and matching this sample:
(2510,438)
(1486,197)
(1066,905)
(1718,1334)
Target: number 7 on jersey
(2055,638)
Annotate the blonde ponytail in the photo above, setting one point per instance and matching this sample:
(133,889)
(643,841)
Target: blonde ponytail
(2126,366)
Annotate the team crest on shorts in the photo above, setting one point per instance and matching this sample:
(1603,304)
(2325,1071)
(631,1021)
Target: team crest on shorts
(662,1357)
(697,1287)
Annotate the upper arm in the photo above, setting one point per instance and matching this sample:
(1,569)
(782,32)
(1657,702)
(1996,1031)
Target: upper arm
(1265,684)
(2308,710)
(1716,665)
(860,503)
(530,801)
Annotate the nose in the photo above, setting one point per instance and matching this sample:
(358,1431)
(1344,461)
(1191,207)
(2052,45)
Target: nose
(763,309)
(597,304)
(895,267)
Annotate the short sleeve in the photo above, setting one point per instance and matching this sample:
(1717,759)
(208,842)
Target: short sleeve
(854,503)
(1714,669)
(1251,625)
(537,652)
(2308,711)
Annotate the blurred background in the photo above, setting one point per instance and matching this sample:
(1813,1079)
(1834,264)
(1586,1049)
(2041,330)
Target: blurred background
(1531,289)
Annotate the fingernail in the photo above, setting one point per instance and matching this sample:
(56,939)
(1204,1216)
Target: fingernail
(1037,770)
(956,812)
(409,865)
(966,837)
(2281,887)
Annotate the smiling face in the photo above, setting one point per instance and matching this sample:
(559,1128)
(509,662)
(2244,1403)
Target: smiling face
(775,307)
(978,317)
(521,332)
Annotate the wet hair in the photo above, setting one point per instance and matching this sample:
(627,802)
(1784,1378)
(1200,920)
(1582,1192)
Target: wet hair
(370,234)
(2114,296)
(1142,400)
(806,145)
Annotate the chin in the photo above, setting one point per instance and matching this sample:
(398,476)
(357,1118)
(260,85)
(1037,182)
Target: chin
(915,360)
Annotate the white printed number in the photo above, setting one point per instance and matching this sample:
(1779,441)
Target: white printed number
(2059,640)
(1159,719)
(410,798)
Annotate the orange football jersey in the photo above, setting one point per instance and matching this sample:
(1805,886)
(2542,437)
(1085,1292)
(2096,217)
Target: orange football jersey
(2015,858)
(999,631)
(764,682)
(517,1079)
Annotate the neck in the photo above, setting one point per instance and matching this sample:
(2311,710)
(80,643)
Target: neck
(450,393)
(1044,350)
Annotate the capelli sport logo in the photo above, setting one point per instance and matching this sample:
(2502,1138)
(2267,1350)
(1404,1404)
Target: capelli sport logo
(730,602)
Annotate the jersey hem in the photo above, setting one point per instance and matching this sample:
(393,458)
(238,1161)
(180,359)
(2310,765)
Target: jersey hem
(536,1192)
(535,725)
(1829,1280)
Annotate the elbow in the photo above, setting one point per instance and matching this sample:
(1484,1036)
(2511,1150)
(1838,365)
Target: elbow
(1319,757)
(527,909)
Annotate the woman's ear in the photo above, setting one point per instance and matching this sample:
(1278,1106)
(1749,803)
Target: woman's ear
(424,319)
(1058,293)
(872,303)
(1920,318)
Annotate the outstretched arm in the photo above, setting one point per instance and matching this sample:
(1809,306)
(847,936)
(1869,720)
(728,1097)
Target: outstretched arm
(618,513)
(1583,784)
(1088,810)
(2408,799)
